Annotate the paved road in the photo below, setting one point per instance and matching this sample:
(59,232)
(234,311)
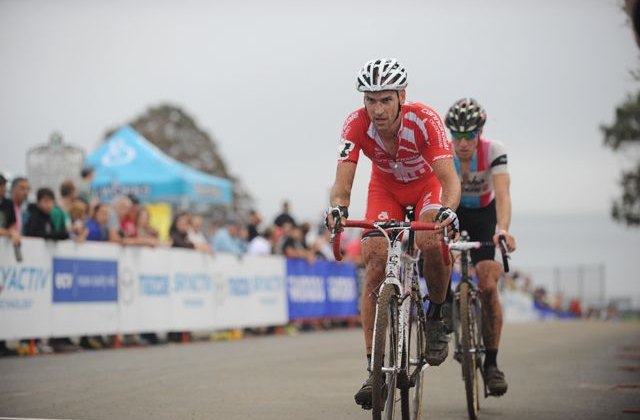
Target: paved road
(555,370)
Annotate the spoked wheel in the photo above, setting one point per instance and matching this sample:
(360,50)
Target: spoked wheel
(385,369)
(411,393)
(469,347)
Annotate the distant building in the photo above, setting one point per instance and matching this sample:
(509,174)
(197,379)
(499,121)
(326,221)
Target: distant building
(50,164)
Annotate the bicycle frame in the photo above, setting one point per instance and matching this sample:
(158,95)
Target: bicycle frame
(401,277)
(401,274)
(465,247)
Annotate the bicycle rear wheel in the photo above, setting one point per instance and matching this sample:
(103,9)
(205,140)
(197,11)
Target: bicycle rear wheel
(385,354)
(469,335)
(414,361)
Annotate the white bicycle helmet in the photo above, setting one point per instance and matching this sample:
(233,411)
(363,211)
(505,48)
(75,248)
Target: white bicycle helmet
(382,74)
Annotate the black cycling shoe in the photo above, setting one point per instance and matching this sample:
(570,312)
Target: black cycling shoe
(496,381)
(446,311)
(437,342)
(364,397)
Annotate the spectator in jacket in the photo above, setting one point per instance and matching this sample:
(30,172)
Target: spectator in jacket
(179,231)
(39,221)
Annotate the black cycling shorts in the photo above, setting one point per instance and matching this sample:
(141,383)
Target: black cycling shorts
(480,224)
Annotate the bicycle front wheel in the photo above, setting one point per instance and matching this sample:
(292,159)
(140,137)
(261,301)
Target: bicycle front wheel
(385,371)
(414,361)
(469,339)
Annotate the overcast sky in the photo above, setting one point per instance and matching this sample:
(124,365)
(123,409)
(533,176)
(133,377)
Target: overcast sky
(273,81)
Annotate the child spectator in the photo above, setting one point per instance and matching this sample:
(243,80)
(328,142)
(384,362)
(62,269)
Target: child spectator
(78,215)
(98,224)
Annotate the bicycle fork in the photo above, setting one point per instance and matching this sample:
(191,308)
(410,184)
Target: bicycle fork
(392,277)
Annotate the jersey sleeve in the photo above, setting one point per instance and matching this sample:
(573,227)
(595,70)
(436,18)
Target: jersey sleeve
(498,158)
(438,145)
(349,148)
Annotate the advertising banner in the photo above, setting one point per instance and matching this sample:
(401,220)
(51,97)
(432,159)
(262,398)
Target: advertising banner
(144,301)
(321,290)
(25,291)
(191,290)
(250,292)
(84,297)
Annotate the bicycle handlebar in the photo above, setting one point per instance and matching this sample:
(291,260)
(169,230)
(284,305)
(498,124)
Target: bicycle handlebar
(365,224)
(465,245)
(504,251)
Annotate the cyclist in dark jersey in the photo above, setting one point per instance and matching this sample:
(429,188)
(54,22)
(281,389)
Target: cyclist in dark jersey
(485,213)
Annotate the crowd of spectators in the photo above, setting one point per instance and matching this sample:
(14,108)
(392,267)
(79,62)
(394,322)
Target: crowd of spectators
(70,213)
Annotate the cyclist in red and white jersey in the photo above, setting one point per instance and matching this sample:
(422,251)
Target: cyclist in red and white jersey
(412,165)
(485,213)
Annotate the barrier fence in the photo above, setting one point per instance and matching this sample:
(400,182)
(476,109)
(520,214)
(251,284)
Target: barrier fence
(68,289)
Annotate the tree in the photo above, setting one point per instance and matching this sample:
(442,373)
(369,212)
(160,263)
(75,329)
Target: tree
(624,133)
(176,133)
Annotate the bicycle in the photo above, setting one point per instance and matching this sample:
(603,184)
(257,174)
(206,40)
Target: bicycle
(399,341)
(467,321)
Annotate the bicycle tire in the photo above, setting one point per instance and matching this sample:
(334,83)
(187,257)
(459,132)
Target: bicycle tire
(411,397)
(384,353)
(468,334)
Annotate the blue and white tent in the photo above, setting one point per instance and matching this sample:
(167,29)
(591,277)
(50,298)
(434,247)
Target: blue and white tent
(127,163)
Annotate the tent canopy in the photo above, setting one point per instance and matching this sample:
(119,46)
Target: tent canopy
(127,163)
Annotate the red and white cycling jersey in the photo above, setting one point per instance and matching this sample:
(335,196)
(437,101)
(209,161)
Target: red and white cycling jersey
(408,177)
(422,141)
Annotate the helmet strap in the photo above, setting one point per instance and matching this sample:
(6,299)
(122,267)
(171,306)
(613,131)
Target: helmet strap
(399,107)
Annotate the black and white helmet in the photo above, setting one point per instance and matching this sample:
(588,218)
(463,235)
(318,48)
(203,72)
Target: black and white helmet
(382,74)
(465,115)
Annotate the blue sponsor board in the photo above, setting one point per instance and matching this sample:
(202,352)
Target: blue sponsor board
(80,280)
(321,290)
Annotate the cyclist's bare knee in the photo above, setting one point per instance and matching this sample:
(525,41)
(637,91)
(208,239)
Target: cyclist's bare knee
(488,274)
(428,240)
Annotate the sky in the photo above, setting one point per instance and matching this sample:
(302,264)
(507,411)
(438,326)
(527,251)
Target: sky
(273,81)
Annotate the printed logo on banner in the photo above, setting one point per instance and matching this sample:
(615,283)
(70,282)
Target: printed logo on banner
(154,285)
(79,280)
(308,289)
(18,284)
(342,289)
(266,287)
(192,287)
(320,290)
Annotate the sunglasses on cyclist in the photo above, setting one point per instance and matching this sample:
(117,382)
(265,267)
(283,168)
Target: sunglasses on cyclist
(468,135)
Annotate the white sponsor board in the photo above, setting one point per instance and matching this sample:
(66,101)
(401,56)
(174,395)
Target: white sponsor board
(66,289)
(25,291)
(250,291)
